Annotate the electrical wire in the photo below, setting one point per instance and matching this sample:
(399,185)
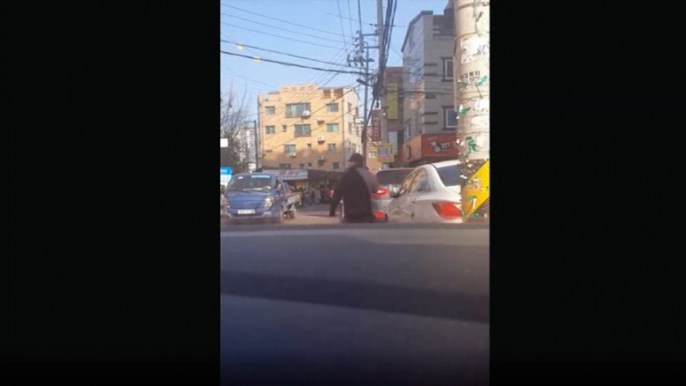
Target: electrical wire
(278,36)
(364,22)
(288,64)
(281,20)
(350,20)
(284,29)
(338,2)
(282,53)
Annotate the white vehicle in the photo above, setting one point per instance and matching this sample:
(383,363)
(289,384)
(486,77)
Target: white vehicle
(430,194)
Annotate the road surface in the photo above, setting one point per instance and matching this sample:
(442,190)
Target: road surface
(376,304)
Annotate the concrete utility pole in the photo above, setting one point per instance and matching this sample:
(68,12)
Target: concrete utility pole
(472,64)
(382,77)
(359,59)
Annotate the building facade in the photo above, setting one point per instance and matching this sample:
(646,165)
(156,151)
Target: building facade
(427,86)
(304,126)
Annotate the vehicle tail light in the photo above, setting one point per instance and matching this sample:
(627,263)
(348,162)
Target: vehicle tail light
(379,215)
(380,193)
(448,210)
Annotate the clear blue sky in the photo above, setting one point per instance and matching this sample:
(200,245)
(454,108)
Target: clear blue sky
(320,15)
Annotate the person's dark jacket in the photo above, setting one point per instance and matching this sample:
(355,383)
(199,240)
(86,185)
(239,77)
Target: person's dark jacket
(355,188)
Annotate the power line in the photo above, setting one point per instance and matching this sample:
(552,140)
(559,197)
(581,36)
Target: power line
(282,53)
(349,20)
(364,22)
(288,64)
(284,29)
(338,2)
(255,81)
(278,36)
(283,21)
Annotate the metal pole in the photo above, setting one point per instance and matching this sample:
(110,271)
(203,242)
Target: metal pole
(366,87)
(366,93)
(379,31)
(471,59)
(381,80)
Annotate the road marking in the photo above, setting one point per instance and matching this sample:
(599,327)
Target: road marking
(466,237)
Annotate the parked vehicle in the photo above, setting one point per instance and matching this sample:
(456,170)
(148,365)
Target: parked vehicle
(258,197)
(429,194)
(389,181)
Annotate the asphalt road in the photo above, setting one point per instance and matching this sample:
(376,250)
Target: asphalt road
(373,304)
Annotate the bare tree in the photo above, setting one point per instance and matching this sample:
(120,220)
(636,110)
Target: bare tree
(234,113)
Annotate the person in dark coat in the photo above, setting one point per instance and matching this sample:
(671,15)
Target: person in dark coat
(355,188)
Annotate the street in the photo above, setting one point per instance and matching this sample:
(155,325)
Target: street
(366,304)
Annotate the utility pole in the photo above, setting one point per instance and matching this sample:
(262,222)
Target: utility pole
(382,81)
(358,58)
(472,62)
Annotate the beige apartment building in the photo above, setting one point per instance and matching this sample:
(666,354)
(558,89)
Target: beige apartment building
(304,126)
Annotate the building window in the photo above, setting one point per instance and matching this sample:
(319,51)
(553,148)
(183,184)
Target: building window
(357,111)
(448,69)
(372,155)
(357,131)
(309,164)
(350,127)
(309,146)
(270,110)
(332,127)
(303,131)
(350,107)
(270,129)
(302,166)
(284,166)
(336,165)
(289,149)
(284,128)
(295,110)
(450,117)
(332,107)
(331,147)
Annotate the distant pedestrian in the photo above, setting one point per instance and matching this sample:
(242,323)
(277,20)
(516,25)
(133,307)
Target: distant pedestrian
(355,188)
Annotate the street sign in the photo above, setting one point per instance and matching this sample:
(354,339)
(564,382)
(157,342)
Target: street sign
(385,153)
(224,175)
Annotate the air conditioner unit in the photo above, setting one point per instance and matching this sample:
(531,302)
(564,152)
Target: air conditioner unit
(321,158)
(292,155)
(306,113)
(320,138)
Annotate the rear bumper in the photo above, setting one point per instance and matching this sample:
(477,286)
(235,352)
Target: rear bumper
(380,206)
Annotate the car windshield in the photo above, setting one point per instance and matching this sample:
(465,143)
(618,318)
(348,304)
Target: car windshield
(250,183)
(392,177)
(450,175)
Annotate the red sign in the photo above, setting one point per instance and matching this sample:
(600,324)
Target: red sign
(376,127)
(439,145)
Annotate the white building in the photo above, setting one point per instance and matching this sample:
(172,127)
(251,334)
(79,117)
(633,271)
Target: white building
(428,75)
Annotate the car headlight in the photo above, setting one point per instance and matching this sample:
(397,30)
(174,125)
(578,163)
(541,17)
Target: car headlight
(268,202)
